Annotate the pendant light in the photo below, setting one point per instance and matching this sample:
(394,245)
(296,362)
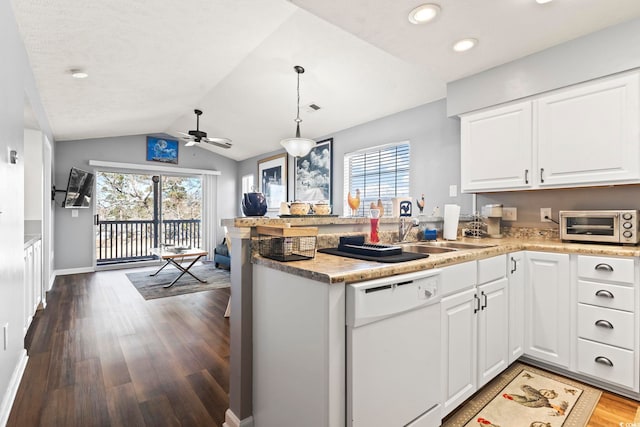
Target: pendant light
(298,147)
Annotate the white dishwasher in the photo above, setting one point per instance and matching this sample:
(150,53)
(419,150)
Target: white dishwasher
(393,351)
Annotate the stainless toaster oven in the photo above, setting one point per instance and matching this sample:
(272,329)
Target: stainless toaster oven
(610,226)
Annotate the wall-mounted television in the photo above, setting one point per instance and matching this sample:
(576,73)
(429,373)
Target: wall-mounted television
(79,189)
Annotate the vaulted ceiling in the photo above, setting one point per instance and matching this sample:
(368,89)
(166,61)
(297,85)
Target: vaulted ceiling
(151,62)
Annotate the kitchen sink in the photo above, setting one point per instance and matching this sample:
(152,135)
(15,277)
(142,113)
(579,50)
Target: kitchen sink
(457,245)
(426,249)
(441,247)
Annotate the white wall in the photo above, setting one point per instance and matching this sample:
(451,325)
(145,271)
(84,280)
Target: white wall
(612,50)
(16,80)
(73,236)
(33,196)
(435,154)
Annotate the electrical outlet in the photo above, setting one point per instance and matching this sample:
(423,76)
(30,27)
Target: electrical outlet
(545,212)
(510,214)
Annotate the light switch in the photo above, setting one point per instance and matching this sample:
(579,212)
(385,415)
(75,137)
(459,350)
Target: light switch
(453,190)
(74,213)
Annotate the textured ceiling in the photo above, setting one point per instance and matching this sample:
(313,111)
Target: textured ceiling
(151,62)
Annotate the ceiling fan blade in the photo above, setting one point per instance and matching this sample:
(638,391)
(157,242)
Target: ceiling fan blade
(220,144)
(218,140)
(191,143)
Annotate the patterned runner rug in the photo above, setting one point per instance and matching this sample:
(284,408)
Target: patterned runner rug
(524,396)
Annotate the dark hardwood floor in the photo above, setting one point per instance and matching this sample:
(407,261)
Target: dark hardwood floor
(100,355)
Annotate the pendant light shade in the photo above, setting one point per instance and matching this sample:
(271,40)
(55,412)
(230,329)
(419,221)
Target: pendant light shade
(297,146)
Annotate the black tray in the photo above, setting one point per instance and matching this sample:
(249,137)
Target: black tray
(404,256)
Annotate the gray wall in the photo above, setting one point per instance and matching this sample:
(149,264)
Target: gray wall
(530,202)
(435,153)
(608,51)
(16,81)
(73,242)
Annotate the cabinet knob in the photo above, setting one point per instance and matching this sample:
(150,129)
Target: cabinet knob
(604,361)
(604,267)
(604,293)
(604,324)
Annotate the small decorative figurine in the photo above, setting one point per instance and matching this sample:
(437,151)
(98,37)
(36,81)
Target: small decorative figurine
(420,203)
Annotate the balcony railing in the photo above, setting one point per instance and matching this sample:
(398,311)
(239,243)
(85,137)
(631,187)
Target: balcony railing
(131,240)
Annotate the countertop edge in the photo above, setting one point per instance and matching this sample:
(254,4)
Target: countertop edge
(348,270)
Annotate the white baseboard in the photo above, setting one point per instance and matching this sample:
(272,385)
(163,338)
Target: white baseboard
(12,389)
(231,420)
(79,270)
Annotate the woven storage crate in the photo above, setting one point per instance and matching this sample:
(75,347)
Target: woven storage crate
(287,244)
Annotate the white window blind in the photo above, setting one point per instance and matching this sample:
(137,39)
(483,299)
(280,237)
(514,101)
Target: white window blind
(379,173)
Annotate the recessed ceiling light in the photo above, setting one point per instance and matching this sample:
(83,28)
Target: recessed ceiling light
(543,1)
(78,74)
(424,13)
(464,45)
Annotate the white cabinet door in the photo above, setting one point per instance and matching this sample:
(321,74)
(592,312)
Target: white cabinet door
(493,330)
(589,133)
(28,288)
(459,348)
(548,307)
(515,272)
(496,148)
(37,275)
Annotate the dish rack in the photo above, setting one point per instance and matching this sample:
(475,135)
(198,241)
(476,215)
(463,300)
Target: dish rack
(475,226)
(287,244)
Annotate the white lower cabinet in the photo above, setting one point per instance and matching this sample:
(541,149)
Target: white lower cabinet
(516,276)
(32,281)
(548,308)
(475,336)
(607,335)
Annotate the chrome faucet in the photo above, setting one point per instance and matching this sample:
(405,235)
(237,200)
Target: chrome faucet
(406,226)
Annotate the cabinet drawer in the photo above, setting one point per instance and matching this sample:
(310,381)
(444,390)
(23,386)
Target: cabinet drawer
(606,268)
(622,371)
(606,295)
(458,277)
(491,269)
(619,334)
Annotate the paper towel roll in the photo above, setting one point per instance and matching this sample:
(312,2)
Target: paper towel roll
(451,217)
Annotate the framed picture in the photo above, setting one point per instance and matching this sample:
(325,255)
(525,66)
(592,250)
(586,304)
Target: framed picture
(313,173)
(162,150)
(272,180)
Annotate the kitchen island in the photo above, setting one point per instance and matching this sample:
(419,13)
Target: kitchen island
(295,312)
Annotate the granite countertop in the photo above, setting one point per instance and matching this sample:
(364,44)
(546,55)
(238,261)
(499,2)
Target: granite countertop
(30,239)
(335,269)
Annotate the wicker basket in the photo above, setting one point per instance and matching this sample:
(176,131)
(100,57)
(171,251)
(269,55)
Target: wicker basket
(287,244)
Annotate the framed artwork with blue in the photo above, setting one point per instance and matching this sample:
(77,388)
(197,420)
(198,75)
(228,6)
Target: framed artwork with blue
(162,150)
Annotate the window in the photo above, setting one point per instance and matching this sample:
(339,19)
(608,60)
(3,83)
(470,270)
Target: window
(379,173)
(247,184)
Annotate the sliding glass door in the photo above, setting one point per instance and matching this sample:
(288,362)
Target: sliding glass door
(136,212)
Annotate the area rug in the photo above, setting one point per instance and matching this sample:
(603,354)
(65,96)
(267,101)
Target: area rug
(151,287)
(524,396)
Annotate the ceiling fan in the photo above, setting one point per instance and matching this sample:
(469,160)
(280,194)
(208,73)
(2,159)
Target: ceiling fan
(195,137)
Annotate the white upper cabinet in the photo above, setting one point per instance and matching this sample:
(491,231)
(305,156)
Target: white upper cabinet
(582,135)
(497,148)
(589,134)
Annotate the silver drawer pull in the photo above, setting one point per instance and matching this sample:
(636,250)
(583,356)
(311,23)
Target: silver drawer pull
(604,324)
(603,360)
(604,267)
(603,293)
